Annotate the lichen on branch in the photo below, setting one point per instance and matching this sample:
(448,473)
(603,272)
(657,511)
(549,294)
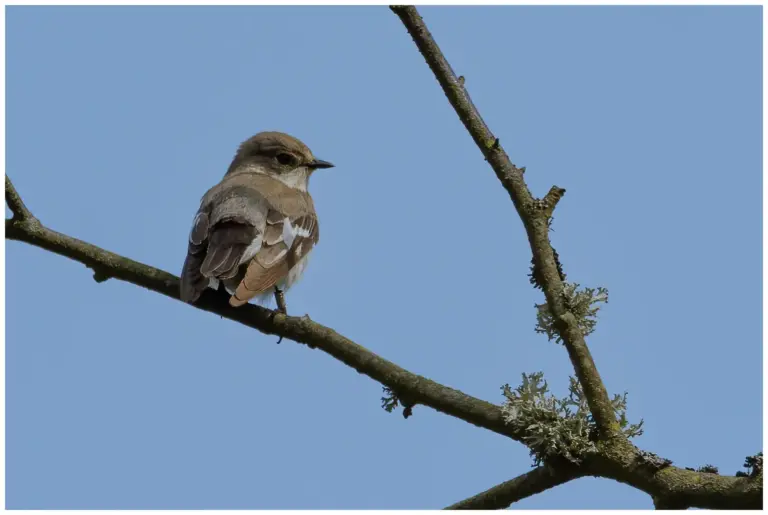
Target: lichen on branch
(392,400)
(584,304)
(557,427)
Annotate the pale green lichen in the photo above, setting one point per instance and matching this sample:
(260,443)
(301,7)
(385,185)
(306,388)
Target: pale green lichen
(583,304)
(557,427)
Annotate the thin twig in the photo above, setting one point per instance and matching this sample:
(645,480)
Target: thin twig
(535,220)
(15,204)
(551,199)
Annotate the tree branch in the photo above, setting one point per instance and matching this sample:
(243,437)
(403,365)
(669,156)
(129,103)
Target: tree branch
(677,488)
(533,213)
(418,389)
(501,496)
(622,462)
(670,487)
(616,458)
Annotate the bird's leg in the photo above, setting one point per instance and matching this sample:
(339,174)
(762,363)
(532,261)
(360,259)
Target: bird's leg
(280,300)
(221,288)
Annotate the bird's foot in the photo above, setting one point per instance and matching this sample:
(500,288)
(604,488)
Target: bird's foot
(281,308)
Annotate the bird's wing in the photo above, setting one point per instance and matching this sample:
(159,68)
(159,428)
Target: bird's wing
(287,238)
(227,231)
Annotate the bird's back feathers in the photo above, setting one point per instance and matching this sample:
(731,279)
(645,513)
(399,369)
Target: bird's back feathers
(250,231)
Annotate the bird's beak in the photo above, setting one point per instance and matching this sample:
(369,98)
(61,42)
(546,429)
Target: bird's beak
(319,163)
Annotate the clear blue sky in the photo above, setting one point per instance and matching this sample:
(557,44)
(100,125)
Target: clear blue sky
(119,119)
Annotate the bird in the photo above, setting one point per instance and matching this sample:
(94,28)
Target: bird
(255,229)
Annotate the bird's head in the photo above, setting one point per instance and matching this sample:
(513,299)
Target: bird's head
(279,155)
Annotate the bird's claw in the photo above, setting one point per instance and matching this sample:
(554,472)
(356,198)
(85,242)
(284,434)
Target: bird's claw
(280,300)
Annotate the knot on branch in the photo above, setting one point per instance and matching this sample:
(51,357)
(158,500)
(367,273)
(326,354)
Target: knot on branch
(392,400)
(100,275)
(582,304)
(556,428)
(653,461)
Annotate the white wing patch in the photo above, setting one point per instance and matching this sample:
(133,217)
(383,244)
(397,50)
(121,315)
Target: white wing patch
(251,250)
(290,232)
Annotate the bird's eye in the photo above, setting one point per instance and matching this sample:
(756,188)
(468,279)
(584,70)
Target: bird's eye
(284,159)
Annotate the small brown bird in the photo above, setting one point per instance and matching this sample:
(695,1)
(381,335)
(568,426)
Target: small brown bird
(255,229)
